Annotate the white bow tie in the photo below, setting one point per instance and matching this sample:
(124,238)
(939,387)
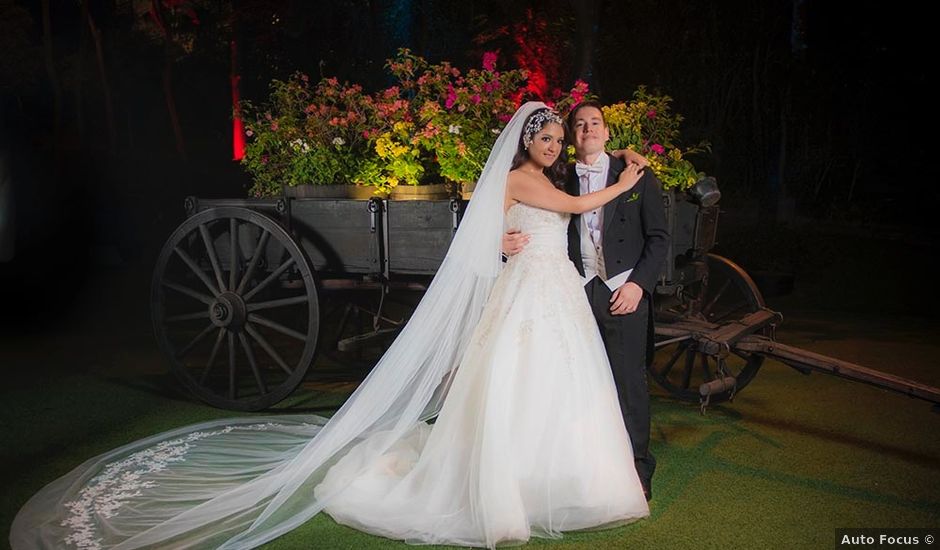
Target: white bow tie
(582,169)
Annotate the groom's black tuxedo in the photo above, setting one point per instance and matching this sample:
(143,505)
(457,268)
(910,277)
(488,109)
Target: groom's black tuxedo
(635,235)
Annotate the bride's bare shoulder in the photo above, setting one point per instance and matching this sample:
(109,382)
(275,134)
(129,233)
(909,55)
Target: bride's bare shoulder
(517,177)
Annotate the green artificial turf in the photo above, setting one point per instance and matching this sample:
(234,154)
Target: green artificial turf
(792,459)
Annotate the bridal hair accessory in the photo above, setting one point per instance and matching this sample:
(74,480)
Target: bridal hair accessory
(538,121)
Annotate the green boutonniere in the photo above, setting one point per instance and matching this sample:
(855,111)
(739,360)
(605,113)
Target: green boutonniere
(633,197)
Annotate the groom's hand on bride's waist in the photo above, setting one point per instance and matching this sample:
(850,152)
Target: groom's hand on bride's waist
(514,242)
(625,299)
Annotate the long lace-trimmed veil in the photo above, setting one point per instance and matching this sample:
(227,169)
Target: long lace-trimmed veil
(238,483)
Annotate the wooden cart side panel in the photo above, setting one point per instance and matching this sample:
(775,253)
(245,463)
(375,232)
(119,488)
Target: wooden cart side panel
(419,234)
(339,236)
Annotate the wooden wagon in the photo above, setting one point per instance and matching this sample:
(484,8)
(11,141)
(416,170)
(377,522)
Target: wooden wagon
(239,287)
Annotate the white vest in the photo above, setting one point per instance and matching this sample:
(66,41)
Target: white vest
(592,253)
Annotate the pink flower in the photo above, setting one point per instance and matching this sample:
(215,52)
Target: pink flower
(489,60)
(475,98)
(505,118)
(274,126)
(304,77)
(658,149)
(451,97)
(264,159)
(651,114)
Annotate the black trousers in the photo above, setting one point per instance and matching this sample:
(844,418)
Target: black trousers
(626,339)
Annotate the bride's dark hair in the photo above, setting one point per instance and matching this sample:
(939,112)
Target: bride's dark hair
(557,173)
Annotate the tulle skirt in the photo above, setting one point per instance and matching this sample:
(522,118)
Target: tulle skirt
(530,441)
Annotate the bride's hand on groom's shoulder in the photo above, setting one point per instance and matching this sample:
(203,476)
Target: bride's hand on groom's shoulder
(630,176)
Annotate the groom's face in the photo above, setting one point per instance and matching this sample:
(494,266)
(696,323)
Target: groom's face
(590,132)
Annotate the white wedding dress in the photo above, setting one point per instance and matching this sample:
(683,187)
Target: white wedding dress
(528,438)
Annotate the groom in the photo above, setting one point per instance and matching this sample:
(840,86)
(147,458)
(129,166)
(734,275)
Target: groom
(619,250)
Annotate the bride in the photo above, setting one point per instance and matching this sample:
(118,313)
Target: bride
(528,438)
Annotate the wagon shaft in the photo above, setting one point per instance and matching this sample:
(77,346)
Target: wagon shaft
(805,361)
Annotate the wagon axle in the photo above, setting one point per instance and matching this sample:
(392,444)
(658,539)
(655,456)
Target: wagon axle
(228,311)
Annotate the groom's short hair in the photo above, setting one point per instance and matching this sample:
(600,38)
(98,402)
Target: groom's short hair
(589,103)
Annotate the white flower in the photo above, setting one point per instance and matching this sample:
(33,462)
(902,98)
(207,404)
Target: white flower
(338,141)
(454,129)
(495,131)
(300,145)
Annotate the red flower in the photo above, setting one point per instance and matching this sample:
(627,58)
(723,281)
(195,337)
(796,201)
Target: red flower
(489,61)
(651,114)
(658,149)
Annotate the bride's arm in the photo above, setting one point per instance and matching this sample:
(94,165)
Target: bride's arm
(534,193)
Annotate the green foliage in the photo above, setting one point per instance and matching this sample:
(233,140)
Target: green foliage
(435,123)
(648,126)
(306,134)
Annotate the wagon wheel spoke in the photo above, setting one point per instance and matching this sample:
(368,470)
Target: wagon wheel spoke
(213,257)
(672,360)
(253,264)
(707,309)
(689,365)
(195,269)
(215,351)
(264,321)
(251,362)
(726,294)
(231,366)
(273,276)
(277,303)
(187,317)
(188,292)
(283,320)
(182,353)
(233,251)
(267,348)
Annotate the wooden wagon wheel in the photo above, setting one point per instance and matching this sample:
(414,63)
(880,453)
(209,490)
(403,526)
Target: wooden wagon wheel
(235,308)
(726,293)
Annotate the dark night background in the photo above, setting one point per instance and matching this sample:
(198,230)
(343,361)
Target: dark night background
(822,125)
(819,116)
